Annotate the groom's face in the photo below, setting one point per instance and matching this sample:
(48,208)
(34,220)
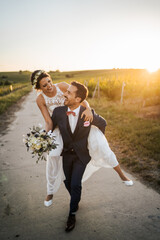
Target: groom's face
(70,97)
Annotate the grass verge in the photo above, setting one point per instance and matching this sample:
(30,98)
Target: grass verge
(9,99)
(135,140)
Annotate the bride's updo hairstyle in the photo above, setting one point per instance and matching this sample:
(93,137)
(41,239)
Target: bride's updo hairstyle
(37,76)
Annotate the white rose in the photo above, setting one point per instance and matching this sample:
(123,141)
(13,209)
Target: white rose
(37,146)
(40,125)
(33,140)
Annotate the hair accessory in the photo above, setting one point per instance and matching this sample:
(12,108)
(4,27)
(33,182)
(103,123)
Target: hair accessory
(36,77)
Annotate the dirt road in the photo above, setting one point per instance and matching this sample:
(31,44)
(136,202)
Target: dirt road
(108,209)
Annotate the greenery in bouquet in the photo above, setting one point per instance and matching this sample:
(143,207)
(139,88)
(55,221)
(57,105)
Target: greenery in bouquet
(39,142)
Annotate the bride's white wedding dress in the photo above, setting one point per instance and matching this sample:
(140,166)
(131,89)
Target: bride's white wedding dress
(99,150)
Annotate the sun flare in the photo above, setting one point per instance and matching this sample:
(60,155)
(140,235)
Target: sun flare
(152,69)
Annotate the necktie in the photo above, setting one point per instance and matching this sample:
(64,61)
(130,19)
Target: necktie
(70,112)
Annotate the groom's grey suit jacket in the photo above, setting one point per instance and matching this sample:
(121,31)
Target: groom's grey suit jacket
(78,141)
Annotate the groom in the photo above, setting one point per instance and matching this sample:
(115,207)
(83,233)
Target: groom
(74,131)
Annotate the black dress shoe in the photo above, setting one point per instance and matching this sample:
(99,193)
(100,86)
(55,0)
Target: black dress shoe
(70,223)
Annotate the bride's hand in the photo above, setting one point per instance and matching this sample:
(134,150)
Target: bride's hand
(88,115)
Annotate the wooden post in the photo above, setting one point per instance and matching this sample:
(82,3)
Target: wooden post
(98,88)
(123,85)
(94,93)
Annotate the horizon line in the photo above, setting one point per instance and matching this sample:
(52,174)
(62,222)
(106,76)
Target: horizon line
(83,70)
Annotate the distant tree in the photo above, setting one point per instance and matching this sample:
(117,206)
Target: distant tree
(20,72)
(69,75)
(4,77)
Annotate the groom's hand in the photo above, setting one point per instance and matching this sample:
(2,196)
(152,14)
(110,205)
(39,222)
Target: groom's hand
(88,115)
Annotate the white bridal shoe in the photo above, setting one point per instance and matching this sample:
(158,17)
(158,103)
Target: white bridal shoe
(128,183)
(48,203)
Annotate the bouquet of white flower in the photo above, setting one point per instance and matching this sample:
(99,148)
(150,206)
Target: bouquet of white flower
(39,142)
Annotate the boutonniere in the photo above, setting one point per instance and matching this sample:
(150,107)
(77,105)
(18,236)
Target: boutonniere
(86,124)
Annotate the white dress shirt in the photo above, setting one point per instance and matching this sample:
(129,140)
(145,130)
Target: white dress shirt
(73,119)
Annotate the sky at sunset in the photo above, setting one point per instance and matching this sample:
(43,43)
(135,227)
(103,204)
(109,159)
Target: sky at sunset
(79,34)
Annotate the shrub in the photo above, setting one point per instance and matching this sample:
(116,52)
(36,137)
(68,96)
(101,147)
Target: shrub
(4,76)
(7,82)
(69,75)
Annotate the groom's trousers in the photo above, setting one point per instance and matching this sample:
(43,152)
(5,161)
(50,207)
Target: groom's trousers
(73,170)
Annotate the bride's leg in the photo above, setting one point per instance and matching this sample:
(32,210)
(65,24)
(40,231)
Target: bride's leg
(102,155)
(50,176)
(120,173)
(54,175)
(113,162)
(49,197)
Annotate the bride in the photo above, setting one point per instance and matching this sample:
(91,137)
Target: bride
(51,96)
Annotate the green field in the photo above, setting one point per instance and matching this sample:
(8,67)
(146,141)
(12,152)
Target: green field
(133,129)
(139,84)
(20,86)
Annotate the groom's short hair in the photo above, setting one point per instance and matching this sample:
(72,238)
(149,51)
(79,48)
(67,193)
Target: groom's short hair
(82,91)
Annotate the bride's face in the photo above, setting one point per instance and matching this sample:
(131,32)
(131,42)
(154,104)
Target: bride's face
(46,85)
